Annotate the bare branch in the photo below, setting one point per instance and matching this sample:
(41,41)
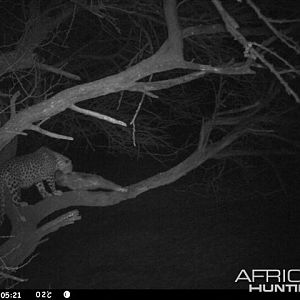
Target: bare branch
(97,115)
(232,26)
(50,134)
(174,31)
(58,71)
(283,38)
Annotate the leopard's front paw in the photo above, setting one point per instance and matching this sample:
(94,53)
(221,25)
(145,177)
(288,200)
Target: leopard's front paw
(45,194)
(22,204)
(57,193)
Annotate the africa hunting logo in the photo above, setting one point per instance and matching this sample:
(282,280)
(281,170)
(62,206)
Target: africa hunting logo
(271,280)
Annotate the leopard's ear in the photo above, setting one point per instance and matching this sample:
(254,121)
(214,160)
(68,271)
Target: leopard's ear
(42,149)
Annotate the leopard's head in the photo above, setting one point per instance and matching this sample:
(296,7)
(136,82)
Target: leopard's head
(64,164)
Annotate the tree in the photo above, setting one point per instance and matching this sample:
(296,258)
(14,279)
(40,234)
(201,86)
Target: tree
(245,58)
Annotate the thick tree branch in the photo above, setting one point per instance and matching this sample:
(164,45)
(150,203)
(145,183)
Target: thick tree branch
(26,235)
(168,57)
(174,31)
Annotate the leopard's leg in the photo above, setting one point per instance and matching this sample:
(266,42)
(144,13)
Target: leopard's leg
(51,183)
(15,192)
(16,200)
(42,190)
(2,204)
(22,218)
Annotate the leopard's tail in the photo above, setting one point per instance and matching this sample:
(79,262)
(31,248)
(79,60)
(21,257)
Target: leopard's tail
(2,203)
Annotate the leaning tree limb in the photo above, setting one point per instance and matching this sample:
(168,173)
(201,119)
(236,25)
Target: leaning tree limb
(27,235)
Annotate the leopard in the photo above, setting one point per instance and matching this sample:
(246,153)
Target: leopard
(24,171)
